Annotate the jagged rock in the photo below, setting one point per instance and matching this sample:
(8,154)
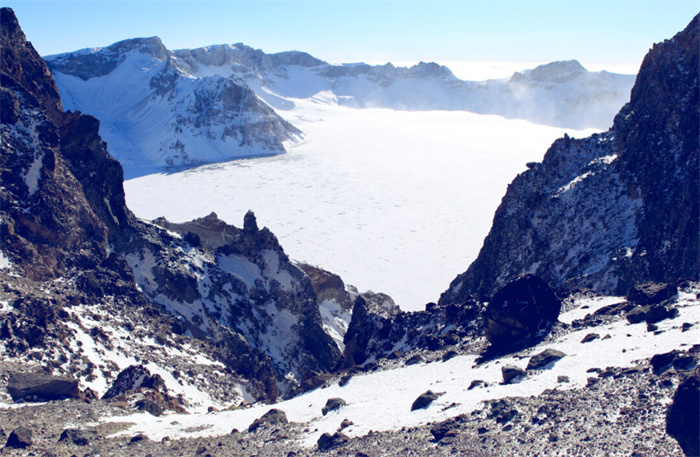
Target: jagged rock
(683,416)
(544,358)
(75,436)
(271,418)
(41,387)
(424,400)
(371,320)
(328,441)
(651,293)
(441,429)
(657,313)
(661,362)
(512,373)
(332,404)
(520,310)
(20,438)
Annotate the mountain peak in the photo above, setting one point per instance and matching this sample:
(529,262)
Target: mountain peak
(557,71)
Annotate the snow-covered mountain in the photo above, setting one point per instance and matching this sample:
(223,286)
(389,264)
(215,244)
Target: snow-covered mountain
(154,112)
(562,94)
(189,106)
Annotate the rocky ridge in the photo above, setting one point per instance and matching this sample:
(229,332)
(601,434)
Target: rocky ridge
(615,209)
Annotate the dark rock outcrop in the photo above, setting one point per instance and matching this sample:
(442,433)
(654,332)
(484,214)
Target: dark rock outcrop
(41,387)
(520,310)
(75,436)
(683,417)
(613,210)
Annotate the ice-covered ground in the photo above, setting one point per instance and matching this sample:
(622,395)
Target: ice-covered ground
(393,201)
(382,400)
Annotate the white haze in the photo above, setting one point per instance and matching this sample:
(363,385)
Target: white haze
(393,201)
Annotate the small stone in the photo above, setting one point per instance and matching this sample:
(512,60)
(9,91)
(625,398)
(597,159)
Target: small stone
(590,337)
(345,424)
(424,400)
(138,438)
(475,383)
(562,379)
(332,404)
(652,327)
(544,358)
(328,441)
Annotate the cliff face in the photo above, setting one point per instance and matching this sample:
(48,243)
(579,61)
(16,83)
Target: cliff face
(76,265)
(612,210)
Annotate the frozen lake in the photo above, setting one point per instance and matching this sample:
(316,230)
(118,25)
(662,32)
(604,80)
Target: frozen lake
(392,201)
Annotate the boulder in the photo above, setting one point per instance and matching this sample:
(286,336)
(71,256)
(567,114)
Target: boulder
(683,416)
(20,438)
(521,309)
(41,387)
(272,417)
(544,358)
(651,293)
(637,314)
(332,404)
(424,400)
(75,436)
(328,441)
(512,373)
(502,411)
(657,313)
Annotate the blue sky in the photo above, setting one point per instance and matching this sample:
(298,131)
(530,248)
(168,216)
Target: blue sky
(602,32)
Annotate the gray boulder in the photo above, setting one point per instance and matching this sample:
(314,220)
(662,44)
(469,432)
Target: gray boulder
(512,373)
(41,387)
(332,404)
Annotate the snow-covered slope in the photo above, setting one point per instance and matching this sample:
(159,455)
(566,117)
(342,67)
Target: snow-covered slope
(153,112)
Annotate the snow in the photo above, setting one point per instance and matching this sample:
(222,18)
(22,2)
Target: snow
(5,263)
(382,400)
(31,178)
(335,321)
(240,267)
(393,201)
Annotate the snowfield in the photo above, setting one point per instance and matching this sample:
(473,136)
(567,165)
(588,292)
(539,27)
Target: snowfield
(393,201)
(382,400)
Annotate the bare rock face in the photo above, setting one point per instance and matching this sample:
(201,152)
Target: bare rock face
(615,209)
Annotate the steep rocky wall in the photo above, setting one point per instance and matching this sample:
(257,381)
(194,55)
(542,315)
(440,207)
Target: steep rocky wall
(612,210)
